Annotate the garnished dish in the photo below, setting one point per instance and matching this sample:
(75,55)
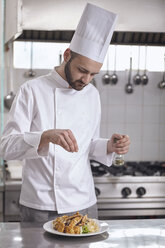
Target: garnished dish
(75,224)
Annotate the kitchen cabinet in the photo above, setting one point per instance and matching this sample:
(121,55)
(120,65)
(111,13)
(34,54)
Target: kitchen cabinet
(121,233)
(12,194)
(1,204)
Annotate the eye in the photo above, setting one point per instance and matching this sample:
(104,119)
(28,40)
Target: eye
(81,70)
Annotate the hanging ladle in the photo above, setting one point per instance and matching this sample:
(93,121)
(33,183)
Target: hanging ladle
(137,77)
(129,87)
(30,72)
(8,100)
(161,85)
(114,77)
(106,77)
(144,77)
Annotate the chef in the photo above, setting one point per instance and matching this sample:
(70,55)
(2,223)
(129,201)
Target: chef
(54,123)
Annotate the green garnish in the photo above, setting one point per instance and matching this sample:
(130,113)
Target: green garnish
(85,229)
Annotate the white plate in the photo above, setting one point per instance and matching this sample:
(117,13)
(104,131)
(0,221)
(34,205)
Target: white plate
(48,226)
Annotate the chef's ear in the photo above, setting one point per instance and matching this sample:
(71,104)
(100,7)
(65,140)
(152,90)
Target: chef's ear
(67,55)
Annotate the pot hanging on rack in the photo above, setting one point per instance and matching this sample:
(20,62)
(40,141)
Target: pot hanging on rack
(129,86)
(161,85)
(137,77)
(8,99)
(106,77)
(144,77)
(30,73)
(114,77)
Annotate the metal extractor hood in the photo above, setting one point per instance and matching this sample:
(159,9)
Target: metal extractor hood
(139,22)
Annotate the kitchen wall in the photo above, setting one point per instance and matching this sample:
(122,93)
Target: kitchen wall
(141,114)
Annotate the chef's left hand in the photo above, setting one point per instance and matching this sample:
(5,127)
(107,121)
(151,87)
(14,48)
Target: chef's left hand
(121,146)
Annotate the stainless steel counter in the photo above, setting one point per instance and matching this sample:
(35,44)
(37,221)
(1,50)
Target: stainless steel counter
(122,233)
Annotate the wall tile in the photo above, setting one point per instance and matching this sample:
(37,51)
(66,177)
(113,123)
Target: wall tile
(150,132)
(134,131)
(151,96)
(151,114)
(116,128)
(134,114)
(116,96)
(134,153)
(162,96)
(116,113)
(136,97)
(162,151)
(162,133)
(162,114)
(103,130)
(104,97)
(104,114)
(150,151)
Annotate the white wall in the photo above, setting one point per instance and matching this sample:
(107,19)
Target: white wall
(141,115)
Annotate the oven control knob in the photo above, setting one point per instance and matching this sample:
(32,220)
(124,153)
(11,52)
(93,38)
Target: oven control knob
(97,191)
(140,191)
(126,192)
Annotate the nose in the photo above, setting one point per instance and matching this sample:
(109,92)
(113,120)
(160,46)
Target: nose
(86,78)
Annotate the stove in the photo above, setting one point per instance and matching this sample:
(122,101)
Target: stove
(136,189)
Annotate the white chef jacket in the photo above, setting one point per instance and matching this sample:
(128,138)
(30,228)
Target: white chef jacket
(54,179)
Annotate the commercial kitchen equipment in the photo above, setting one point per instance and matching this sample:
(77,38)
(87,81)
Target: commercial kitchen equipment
(23,20)
(1,201)
(12,191)
(136,189)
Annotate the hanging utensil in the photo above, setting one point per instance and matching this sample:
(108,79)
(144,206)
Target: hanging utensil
(8,100)
(161,85)
(114,77)
(144,77)
(106,77)
(30,72)
(60,57)
(129,87)
(137,77)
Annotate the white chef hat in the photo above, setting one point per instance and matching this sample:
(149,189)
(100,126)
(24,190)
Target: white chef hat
(94,32)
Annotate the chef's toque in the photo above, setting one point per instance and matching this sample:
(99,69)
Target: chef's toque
(94,32)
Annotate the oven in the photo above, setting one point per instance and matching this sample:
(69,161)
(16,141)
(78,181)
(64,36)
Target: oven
(134,190)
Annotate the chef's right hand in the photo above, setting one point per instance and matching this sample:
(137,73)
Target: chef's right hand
(61,137)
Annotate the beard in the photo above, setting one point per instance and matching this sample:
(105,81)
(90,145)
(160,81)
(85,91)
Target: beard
(77,84)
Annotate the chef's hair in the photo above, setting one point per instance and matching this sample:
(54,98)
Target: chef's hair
(73,55)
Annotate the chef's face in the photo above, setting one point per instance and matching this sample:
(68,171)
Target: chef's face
(80,70)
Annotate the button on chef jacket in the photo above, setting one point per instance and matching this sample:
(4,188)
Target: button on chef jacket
(54,179)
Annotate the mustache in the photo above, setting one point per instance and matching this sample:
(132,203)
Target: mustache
(79,81)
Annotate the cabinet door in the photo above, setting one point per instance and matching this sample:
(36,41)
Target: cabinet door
(12,202)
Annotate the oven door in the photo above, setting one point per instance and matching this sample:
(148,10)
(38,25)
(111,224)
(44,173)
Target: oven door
(125,197)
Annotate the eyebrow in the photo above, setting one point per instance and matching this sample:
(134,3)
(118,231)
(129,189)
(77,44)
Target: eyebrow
(82,68)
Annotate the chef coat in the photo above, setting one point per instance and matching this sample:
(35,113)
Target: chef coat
(53,178)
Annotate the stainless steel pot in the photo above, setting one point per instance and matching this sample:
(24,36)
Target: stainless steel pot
(129,86)
(144,77)
(137,77)
(161,85)
(114,77)
(8,99)
(106,77)
(30,72)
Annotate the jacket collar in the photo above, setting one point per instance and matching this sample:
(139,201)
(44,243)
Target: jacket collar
(59,79)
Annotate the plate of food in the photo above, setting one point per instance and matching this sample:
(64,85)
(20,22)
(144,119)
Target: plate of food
(75,225)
